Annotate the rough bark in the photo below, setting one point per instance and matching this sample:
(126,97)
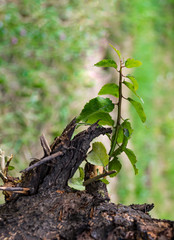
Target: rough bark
(52,210)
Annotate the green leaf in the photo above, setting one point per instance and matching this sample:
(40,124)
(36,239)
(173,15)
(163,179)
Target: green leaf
(130,154)
(117,51)
(111,89)
(120,135)
(95,105)
(138,107)
(120,149)
(98,155)
(103,117)
(126,132)
(132,88)
(106,63)
(81,172)
(133,80)
(10,168)
(125,142)
(104,180)
(76,183)
(126,125)
(117,152)
(130,63)
(115,165)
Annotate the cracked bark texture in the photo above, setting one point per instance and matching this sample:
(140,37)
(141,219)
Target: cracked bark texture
(52,210)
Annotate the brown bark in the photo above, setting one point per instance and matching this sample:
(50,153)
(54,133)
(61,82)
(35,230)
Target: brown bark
(52,210)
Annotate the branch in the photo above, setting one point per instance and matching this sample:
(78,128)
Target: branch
(42,161)
(15,189)
(45,145)
(96,178)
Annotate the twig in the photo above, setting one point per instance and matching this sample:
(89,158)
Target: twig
(15,189)
(2,157)
(117,126)
(45,145)
(42,161)
(96,178)
(4,178)
(7,164)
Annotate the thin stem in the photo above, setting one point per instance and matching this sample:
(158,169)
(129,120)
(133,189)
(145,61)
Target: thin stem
(124,97)
(43,161)
(117,126)
(96,178)
(4,178)
(15,189)
(45,145)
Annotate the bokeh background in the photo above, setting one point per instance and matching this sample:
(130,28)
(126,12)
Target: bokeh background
(47,51)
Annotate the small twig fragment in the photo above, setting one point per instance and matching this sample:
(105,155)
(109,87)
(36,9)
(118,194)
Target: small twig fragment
(7,164)
(96,178)
(4,178)
(15,189)
(2,156)
(92,212)
(45,145)
(42,161)
(60,215)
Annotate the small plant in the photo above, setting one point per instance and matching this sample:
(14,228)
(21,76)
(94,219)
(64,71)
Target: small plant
(9,181)
(99,109)
(5,165)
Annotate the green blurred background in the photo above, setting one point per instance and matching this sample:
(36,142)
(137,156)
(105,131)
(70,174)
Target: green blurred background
(46,76)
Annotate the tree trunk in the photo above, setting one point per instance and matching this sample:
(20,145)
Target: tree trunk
(44,207)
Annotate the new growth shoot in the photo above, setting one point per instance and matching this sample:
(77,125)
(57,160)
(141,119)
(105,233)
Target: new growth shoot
(99,109)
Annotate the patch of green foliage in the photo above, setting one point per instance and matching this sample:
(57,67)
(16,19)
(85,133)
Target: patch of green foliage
(99,109)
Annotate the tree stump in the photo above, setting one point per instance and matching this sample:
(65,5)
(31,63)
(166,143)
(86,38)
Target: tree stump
(44,207)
